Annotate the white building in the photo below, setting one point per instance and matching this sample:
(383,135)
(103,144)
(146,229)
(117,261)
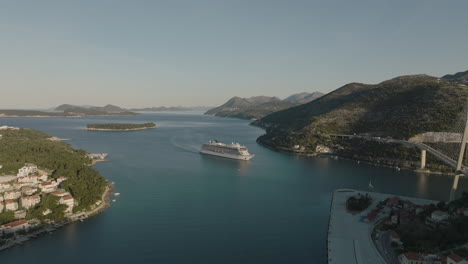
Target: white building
(15,226)
(47,186)
(12,195)
(30,201)
(36,178)
(11,205)
(323,149)
(5,186)
(68,201)
(439,216)
(26,170)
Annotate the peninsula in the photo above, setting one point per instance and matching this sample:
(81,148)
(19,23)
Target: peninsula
(39,192)
(120,127)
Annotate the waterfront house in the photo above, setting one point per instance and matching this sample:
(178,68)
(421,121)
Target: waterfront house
(47,186)
(15,226)
(455,259)
(439,216)
(26,170)
(323,149)
(12,195)
(11,205)
(30,201)
(68,201)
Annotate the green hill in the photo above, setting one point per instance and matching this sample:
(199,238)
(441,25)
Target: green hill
(18,147)
(401,107)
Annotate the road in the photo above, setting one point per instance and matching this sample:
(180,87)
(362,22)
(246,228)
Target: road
(444,158)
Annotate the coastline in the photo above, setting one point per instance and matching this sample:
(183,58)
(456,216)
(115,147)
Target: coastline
(50,116)
(105,198)
(298,153)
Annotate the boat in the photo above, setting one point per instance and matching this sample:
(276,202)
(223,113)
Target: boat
(231,151)
(116,194)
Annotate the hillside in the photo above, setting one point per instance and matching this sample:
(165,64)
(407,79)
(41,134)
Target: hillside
(21,146)
(259,106)
(459,77)
(401,107)
(303,97)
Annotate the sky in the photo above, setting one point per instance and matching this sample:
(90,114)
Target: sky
(174,52)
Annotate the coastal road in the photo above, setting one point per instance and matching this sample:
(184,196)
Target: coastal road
(444,158)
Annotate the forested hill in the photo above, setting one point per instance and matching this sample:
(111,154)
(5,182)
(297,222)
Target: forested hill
(18,147)
(400,107)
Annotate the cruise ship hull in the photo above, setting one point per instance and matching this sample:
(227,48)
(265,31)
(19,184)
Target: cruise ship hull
(226,155)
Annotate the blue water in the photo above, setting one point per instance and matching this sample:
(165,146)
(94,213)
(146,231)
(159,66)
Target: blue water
(177,206)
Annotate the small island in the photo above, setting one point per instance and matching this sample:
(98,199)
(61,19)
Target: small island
(120,127)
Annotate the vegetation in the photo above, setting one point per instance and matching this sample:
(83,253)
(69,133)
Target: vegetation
(419,235)
(18,147)
(399,108)
(121,126)
(359,203)
(48,202)
(7,216)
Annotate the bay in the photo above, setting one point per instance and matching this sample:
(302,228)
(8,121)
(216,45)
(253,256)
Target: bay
(177,206)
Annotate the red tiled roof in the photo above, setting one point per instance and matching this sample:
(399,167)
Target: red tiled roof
(31,197)
(9,201)
(68,197)
(412,256)
(455,258)
(393,201)
(16,223)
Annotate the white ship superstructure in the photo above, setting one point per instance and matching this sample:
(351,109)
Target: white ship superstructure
(232,151)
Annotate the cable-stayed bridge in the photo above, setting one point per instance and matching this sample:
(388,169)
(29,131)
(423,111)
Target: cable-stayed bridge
(448,146)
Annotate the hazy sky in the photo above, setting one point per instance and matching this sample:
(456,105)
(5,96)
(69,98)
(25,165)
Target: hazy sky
(202,52)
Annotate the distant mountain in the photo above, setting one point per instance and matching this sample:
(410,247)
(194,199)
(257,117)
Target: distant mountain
(459,77)
(171,109)
(400,108)
(93,110)
(258,106)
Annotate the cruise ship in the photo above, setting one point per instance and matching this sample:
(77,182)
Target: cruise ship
(231,151)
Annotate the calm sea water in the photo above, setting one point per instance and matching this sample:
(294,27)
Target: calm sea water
(177,206)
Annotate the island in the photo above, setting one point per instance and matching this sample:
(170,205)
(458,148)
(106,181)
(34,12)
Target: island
(120,127)
(45,184)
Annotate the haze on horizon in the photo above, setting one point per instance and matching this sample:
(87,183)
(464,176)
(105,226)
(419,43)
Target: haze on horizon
(155,53)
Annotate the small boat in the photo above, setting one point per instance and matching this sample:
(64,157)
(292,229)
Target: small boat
(114,200)
(371,186)
(116,194)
